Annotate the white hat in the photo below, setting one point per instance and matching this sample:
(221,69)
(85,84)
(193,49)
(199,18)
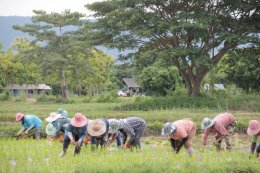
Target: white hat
(206,123)
(168,129)
(53,117)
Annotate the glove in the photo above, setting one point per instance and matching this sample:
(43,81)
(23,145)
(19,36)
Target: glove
(128,146)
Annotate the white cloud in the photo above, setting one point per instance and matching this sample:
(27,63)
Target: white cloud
(26,7)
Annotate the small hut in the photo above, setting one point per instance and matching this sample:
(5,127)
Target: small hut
(132,86)
(16,89)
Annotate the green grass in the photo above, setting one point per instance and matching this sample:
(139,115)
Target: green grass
(41,156)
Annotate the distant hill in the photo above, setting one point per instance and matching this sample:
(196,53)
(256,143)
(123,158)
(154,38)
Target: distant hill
(8,34)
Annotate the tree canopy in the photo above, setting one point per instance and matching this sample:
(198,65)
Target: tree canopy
(192,35)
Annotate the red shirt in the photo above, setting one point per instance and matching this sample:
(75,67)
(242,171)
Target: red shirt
(222,121)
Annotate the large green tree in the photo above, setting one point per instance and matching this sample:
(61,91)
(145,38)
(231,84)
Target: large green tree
(58,42)
(192,35)
(242,67)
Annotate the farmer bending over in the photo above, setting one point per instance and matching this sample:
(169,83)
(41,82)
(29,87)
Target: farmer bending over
(181,133)
(56,125)
(98,130)
(114,133)
(222,125)
(29,122)
(254,131)
(75,133)
(134,128)
(62,112)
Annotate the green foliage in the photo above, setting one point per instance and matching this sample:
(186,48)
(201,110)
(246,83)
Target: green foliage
(242,67)
(5,96)
(106,98)
(190,35)
(42,157)
(160,81)
(248,103)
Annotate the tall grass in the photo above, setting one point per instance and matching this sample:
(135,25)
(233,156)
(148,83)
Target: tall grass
(41,156)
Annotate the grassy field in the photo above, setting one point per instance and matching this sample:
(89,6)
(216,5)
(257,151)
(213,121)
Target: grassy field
(154,118)
(41,156)
(28,155)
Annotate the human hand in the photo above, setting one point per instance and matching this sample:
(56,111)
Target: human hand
(26,132)
(78,143)
(72,141)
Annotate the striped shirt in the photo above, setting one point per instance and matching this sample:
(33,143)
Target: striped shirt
(222,121)
(131,124)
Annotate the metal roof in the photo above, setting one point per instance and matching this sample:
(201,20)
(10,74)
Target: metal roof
(130,82)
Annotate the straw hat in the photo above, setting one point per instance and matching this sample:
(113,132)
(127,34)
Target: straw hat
(79,120)
(114,125)
(53,117)
(96,127)
(19,116)
(168,128)
(254,127)
(206,123)
(50,130)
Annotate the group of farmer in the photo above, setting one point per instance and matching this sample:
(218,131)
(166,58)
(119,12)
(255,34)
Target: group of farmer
(102,132)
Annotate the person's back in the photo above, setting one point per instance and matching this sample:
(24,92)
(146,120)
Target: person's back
(224,119)
(34,119)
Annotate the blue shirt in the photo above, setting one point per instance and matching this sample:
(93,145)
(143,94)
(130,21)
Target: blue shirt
(30,120)
(80,132)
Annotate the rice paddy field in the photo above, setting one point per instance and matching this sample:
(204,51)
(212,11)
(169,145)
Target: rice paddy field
(28,155)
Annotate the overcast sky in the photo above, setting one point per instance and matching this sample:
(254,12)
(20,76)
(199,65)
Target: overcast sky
(25,7)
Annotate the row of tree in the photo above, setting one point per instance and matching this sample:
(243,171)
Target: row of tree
(170,39)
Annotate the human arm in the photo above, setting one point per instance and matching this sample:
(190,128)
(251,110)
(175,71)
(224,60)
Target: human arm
(20,131)
(253,144)
(205,137)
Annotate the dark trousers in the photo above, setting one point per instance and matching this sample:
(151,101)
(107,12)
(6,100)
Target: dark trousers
(138,134)
(66,143)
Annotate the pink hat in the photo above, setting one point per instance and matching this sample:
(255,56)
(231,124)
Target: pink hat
(53,117)
(79,120)
(254,127)
(19,116)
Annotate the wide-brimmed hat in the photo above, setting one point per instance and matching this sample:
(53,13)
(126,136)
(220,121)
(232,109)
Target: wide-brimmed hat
(168,128)
(206,123)
(53,117)
(96,127)
(19,116)
(254,127)
(50,130)
(79,120)
(114,125)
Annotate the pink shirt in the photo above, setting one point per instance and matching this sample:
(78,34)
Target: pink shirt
(222,121)
(184,127)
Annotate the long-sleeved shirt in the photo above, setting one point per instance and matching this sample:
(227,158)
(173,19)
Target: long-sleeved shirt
(183,129)
(92,140)
(130,125)
(221,122)
(80,132)
(59,124)
(31,121)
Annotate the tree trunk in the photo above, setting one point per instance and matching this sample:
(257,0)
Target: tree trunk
(63,84)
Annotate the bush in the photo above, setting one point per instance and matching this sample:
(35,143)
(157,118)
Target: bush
(87,99)
(106,98)
(5,96)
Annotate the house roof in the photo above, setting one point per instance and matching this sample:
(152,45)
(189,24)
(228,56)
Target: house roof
(130,82)
(28,86)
